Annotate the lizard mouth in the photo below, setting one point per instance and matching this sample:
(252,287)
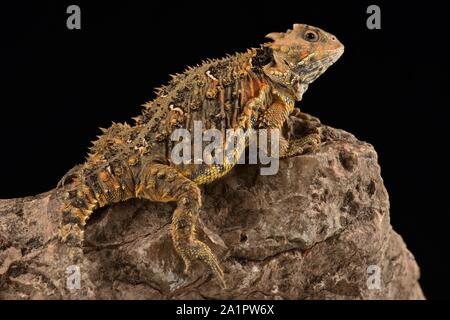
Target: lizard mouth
(308,70)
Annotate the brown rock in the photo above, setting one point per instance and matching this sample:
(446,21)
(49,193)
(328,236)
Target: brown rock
(316,230)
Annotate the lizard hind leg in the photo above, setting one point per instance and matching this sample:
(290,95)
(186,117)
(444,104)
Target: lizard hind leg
(163,183)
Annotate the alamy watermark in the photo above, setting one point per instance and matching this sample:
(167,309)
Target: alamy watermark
(228,149)
(373,277)
(374,20)
(74,19)
(73,279)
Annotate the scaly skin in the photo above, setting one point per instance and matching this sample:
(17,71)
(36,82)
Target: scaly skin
(256,89)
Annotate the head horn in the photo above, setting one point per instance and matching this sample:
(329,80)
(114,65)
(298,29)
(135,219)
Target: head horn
(275,35)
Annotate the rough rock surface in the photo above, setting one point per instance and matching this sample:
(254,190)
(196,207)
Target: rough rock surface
(309,232)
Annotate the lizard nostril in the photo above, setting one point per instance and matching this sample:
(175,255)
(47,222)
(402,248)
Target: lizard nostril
(333,38)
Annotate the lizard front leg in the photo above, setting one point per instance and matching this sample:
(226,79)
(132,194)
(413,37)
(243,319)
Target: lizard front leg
(163,183)
(275,116)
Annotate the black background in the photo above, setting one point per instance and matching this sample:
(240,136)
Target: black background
(390,88)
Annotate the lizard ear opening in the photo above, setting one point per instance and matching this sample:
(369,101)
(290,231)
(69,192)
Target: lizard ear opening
(263,57)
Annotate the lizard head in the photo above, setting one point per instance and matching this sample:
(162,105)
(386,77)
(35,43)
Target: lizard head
(297,57)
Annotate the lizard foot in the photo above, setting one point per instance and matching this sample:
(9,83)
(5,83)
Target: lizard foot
(191,249)
(302,145)
(304,116)
(70,175)
(200,251)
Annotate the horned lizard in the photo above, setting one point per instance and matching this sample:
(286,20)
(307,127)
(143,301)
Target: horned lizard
(256,89)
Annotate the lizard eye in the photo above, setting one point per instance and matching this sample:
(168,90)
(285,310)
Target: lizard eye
(311,36)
